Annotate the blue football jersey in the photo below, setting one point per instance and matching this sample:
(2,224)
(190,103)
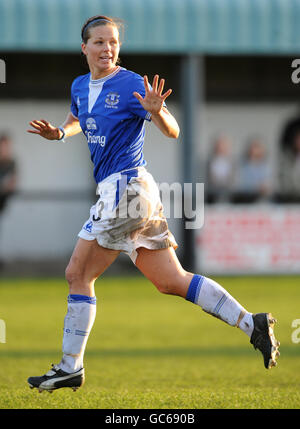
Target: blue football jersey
(112,120)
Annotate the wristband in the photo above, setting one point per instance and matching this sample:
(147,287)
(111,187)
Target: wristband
(63,136)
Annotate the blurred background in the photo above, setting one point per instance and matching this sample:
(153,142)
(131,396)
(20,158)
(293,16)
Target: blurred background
(236,96)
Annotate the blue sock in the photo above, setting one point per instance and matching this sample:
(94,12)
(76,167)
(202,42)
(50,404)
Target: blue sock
(82,298)
(215,300)
(194,288)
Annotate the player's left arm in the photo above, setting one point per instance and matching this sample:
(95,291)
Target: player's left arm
(153,102)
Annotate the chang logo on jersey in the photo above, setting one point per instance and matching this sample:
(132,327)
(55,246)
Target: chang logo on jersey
(111,100)
(91,138)
(91,124)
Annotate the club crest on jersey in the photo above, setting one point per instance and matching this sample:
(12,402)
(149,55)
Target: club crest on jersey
(112,99)
(91,124)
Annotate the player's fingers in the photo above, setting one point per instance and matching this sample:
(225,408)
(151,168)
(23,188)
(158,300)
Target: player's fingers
(41,123)
(161,86)
(146,83)
(166,94)
(36,122)
(33,132)
(45,122)
(35,125)
(138,96)
(154,83)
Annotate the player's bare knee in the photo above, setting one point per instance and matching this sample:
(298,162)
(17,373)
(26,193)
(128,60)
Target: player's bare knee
(176,285)
(166,287)
(73,275)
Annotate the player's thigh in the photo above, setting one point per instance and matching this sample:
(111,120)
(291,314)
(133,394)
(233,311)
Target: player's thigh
(89,260)
(164,270)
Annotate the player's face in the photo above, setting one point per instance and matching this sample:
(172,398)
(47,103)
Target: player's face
(102,49)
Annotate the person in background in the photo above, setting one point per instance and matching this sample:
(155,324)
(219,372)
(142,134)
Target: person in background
(220,171)
(255,173)
(8,174)
(289,169)
(8,170)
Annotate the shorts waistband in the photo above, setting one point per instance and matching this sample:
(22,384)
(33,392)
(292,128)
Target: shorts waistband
(115,177)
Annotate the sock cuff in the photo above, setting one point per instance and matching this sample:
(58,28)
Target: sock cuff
(194,288)
(74,298)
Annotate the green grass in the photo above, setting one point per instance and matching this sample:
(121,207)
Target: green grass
(149,350)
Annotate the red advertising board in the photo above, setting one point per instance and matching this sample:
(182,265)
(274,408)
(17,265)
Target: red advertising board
(258,239)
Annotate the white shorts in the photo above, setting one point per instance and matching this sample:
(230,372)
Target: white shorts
(128,214)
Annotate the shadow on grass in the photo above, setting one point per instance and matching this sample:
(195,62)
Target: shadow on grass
(231,351)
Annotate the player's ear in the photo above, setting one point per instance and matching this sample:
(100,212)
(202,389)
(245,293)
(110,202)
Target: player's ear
(83,48)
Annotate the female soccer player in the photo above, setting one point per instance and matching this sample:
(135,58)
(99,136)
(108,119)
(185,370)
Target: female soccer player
(110,105)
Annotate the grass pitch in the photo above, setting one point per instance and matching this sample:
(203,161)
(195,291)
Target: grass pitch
(148,350)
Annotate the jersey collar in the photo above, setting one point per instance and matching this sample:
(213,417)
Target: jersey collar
(104,79)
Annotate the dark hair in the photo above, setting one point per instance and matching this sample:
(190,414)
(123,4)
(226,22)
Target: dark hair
(95,21)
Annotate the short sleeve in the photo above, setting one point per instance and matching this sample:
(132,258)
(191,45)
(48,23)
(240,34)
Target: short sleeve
(74,107)
(135,107)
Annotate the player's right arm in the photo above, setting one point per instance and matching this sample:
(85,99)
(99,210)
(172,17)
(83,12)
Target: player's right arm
(43,128)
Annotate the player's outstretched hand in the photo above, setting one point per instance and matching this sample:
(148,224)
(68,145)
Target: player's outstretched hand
(45,129)
(154,99)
